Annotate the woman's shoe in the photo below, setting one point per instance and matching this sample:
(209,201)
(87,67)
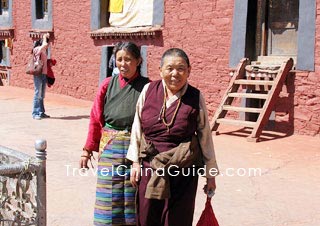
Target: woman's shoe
(45,115)
(36,117)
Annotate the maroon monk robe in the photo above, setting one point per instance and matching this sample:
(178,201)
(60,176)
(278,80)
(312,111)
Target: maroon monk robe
(178,210)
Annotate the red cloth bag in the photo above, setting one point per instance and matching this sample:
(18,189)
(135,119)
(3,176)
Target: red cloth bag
(207,217)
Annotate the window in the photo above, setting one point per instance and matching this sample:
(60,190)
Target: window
(4,54)
(4,4)
(41,15)
(6,32)
(41,9)
(268,31)
(126,13)
(277,28)
(6,13)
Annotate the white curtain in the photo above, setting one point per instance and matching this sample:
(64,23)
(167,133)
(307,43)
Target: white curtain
(135,13)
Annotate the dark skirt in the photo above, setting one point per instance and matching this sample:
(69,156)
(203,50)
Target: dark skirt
(115,197)
(175,211)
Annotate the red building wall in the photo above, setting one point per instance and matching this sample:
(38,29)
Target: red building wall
(202,28)
(77,58)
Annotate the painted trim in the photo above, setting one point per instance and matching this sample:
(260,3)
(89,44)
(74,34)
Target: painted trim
(95,15)
(306,35)
(121,32)
(144,56)
(239,27)
(103,63)
(158,12)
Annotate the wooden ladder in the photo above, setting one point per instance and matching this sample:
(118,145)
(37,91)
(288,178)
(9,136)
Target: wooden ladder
(259,84)
(4,76)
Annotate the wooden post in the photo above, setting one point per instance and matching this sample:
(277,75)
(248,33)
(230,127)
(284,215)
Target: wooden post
(40,146)
(270,100)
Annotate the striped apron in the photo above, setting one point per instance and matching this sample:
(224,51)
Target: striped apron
(115,197)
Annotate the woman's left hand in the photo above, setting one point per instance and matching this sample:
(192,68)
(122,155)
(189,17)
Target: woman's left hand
(135,174)
(210,186)
(85,157)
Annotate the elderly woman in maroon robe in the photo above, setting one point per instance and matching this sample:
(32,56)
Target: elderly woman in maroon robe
(170,143)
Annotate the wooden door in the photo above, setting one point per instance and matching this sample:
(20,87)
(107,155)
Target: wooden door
(283,17)
(277,28)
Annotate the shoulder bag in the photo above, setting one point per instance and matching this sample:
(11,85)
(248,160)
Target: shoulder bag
(34,66)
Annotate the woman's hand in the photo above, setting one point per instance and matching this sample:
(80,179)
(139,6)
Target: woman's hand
(85,156)
(210,187)
(135,174)
(46,35)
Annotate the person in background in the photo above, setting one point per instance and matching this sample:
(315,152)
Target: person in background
(112,62)
(50,75)
(109,132)
(40,81)
(170,135)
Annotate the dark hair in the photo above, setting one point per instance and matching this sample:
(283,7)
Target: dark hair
(175,52)
(132,48)
(36,44)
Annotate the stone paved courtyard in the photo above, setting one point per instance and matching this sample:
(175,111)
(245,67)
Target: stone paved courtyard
(272,183)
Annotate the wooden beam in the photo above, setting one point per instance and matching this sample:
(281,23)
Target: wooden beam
(236,122)
(249,95)
(242,109)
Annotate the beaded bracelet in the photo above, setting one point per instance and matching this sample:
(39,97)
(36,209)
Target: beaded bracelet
(89,157)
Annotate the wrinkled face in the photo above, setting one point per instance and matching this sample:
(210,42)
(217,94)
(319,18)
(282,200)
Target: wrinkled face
(175,72)
(127,63)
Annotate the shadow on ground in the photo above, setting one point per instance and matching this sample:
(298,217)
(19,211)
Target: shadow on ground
(265,136)
(77,117)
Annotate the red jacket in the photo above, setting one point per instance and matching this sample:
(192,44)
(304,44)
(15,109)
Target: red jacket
(96,116)
(50,63)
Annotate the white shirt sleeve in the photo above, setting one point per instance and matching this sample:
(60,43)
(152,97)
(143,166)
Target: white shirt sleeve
(136,131)
(205,140)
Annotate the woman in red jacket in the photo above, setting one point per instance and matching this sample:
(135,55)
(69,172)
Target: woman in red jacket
(109,133)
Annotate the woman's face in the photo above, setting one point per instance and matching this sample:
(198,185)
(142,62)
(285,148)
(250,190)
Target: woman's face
(175,72)
(127,63)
